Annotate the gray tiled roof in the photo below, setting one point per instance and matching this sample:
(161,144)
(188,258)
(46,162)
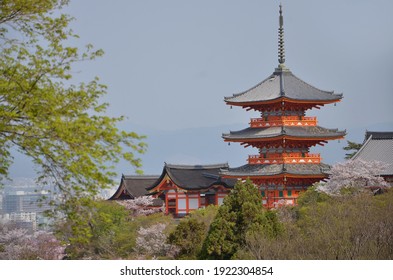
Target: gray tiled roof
(135,185)
(194,177)
(378,135)
(268,132)
(282,83)
(275,169)
(378,146)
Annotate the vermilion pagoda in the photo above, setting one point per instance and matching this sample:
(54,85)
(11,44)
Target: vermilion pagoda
(283,134)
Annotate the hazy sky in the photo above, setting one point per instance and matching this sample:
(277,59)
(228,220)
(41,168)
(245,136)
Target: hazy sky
(169,64)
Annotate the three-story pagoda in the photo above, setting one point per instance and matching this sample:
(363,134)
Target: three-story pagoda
(283,134)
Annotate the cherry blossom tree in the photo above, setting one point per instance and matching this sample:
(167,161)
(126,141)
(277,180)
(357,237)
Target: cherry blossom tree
(19,244)
(354,174)
(143,205)
(152,241)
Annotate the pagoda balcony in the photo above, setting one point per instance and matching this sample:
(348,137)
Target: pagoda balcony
(276,158)
(283,121)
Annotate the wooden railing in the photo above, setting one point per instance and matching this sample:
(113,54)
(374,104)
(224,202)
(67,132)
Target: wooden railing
(283,120)
(276,158)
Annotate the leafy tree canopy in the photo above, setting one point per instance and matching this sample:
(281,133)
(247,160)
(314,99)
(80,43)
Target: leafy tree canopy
(61,126)
(351,146)
(192,231)
(240,214)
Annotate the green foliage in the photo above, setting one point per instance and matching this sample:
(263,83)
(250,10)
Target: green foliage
(312,196)
(103,229)
(97,230)
(191,231)
(205,215)
(351,227)
(351,146)
(340,227)
(62,127)
(241,214)
(188,236)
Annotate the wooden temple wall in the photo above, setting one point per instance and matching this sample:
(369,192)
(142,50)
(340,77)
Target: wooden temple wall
(274,198)
(182,203)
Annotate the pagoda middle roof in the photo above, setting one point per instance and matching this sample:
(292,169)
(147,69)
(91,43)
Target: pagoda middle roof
(295,131)
(255,170)
(283,84)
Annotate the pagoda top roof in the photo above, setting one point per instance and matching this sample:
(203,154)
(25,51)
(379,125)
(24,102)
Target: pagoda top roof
(252,170)
(282,84)
(194,177)
(295,131)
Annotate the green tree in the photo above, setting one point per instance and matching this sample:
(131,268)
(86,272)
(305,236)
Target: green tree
(241,214)
(97,229)
(192,231)
(351,146)
(350,227)
(106,231)
(61,126)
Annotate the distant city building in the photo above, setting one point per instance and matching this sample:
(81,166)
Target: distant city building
(25,206)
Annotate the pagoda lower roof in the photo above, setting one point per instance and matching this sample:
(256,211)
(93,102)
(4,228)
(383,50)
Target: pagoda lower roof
(282,84)
(310,132)
(259,170)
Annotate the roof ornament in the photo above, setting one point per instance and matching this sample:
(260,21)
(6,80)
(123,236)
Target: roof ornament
(281,50)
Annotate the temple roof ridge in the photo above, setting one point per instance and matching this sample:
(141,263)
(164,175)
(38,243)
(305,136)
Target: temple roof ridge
(378,135)
(195,166)
(141,177)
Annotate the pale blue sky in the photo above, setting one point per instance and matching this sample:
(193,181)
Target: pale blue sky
(169,64)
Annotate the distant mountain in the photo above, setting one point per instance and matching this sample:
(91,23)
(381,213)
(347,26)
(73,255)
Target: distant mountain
(204,145)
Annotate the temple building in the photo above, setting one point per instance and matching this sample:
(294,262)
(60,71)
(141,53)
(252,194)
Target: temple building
(283,134)
(182,188)
(378,145)
(185,188)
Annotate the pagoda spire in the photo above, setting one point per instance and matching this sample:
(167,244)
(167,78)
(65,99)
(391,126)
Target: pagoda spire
(281,50)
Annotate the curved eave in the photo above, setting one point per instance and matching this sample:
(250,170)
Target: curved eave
(276,176)
(272,171)
(166,175)
(280,100)
(158,182)
(119,190)
(282,137)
